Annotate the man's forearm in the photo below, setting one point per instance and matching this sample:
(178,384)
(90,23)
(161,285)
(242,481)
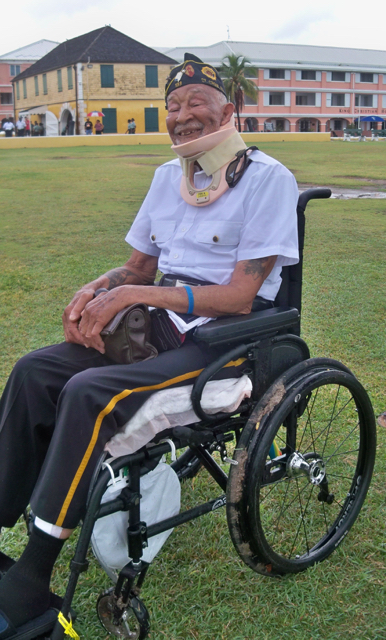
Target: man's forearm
(121,276)
(211,301)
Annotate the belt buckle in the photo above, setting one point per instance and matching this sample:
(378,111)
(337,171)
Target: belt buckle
(182,283)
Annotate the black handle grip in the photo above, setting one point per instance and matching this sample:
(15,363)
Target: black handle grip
(312,194)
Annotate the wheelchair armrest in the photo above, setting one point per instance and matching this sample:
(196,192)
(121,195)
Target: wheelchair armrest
(237,329)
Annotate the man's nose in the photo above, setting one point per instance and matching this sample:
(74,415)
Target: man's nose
(184,114)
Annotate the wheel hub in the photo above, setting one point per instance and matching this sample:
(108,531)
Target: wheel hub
(127,627)
(313,468)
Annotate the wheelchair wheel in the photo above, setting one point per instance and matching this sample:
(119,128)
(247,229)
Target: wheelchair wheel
(305,458)
(134,622)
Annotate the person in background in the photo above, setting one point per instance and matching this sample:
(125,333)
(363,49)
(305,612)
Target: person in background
(98,128)
(8,127)
(88,126)
(36,129)
(20,127)
(41,129)
(128,126)
(27,127)
(133,125)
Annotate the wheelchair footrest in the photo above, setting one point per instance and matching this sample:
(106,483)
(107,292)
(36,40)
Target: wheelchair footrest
(41,627)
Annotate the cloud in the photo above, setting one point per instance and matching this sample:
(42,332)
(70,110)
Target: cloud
(300,23)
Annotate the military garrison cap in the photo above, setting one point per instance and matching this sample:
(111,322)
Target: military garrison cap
(193,71)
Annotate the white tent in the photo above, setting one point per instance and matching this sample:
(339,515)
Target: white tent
(50,121)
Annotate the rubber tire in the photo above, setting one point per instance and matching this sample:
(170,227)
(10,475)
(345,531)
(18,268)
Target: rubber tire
(245,513)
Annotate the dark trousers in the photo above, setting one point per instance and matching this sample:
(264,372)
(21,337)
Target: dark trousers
(59,408)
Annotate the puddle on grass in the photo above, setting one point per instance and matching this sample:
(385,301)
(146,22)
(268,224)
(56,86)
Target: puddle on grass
(340,193)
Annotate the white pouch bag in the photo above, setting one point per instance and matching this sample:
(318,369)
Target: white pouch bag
(161,498)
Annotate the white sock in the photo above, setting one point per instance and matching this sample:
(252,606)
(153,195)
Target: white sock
(52,529)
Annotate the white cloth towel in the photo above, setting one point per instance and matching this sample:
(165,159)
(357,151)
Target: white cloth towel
(173,407)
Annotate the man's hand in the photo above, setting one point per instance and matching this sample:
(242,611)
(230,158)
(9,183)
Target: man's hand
(99,311)
(73,313)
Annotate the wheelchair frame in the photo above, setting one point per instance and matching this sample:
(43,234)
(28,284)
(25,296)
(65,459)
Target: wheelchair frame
(286,384)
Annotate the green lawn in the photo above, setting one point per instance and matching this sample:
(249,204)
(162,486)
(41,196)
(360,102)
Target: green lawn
(63,218)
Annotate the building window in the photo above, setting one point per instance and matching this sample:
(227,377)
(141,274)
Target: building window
(366,77)
(305,99)
(337,100)
(338,125)
(45,91)
(24,88)
(36,86)
(363,100)
(151,76)
(69,78)
(107,76)
(249,101)
(338,76)
(60,85)
(276,98)
(17,90)
(6,98)
(308,75)
(277,74)
(14,69)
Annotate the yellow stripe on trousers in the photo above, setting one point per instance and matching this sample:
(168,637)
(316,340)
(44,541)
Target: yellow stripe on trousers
(105,412)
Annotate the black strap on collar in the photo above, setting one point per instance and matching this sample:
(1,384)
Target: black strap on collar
(238,166)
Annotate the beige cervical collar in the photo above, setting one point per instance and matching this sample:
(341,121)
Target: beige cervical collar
(213,153)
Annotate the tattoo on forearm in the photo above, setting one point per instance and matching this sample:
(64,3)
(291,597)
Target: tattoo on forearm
(256,267)
(119,276)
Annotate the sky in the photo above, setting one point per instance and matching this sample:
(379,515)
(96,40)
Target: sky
(339,23)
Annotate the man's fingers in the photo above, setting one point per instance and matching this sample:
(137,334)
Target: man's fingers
(79,304)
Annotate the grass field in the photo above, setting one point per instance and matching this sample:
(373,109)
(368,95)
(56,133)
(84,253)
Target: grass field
(63,218)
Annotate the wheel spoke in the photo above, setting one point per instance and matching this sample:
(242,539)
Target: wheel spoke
(329,424)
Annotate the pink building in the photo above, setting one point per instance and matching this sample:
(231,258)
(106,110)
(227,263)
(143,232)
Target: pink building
(306,88)
(13,63)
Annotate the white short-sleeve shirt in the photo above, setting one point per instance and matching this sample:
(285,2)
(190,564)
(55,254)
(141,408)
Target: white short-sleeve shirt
(255,219)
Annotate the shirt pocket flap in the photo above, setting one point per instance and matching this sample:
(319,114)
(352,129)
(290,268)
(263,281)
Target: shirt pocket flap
(219,232)
(161,231)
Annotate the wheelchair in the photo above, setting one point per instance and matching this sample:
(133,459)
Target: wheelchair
(304,450)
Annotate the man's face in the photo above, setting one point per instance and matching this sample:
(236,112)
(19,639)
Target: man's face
(195,111)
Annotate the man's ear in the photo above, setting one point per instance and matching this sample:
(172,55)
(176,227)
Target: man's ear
(227,113)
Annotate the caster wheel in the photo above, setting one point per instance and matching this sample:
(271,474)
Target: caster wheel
(134,622)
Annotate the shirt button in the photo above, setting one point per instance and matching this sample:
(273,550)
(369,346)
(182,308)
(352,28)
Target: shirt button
(183,229)
(175,255)
(153,238)
(215,238)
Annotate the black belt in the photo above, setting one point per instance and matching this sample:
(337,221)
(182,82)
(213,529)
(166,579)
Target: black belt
(173,280)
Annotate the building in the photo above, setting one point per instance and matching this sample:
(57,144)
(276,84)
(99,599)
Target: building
(13,63)
(103,71)
(306,88)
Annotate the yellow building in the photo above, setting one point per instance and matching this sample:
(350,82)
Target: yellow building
(103,71)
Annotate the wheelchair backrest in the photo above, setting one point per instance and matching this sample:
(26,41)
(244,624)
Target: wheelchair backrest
(290,292)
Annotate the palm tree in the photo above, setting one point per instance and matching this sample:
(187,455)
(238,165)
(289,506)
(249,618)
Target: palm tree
(233,69)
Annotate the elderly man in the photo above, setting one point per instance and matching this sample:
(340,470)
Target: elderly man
(221,216)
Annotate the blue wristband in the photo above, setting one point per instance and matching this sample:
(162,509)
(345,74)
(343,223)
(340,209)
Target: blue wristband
(190,298)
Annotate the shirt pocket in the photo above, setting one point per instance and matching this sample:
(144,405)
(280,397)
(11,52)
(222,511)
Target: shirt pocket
(161,231)
(219,233)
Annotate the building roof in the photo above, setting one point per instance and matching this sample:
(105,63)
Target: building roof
(300,56)
(105,45)
(29,53)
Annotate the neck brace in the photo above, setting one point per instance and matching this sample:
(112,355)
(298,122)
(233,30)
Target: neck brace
(213,153)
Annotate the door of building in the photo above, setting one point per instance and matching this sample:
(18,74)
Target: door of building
(110,120)
(151,119)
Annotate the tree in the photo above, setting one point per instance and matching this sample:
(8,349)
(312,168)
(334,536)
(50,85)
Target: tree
(233,70)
